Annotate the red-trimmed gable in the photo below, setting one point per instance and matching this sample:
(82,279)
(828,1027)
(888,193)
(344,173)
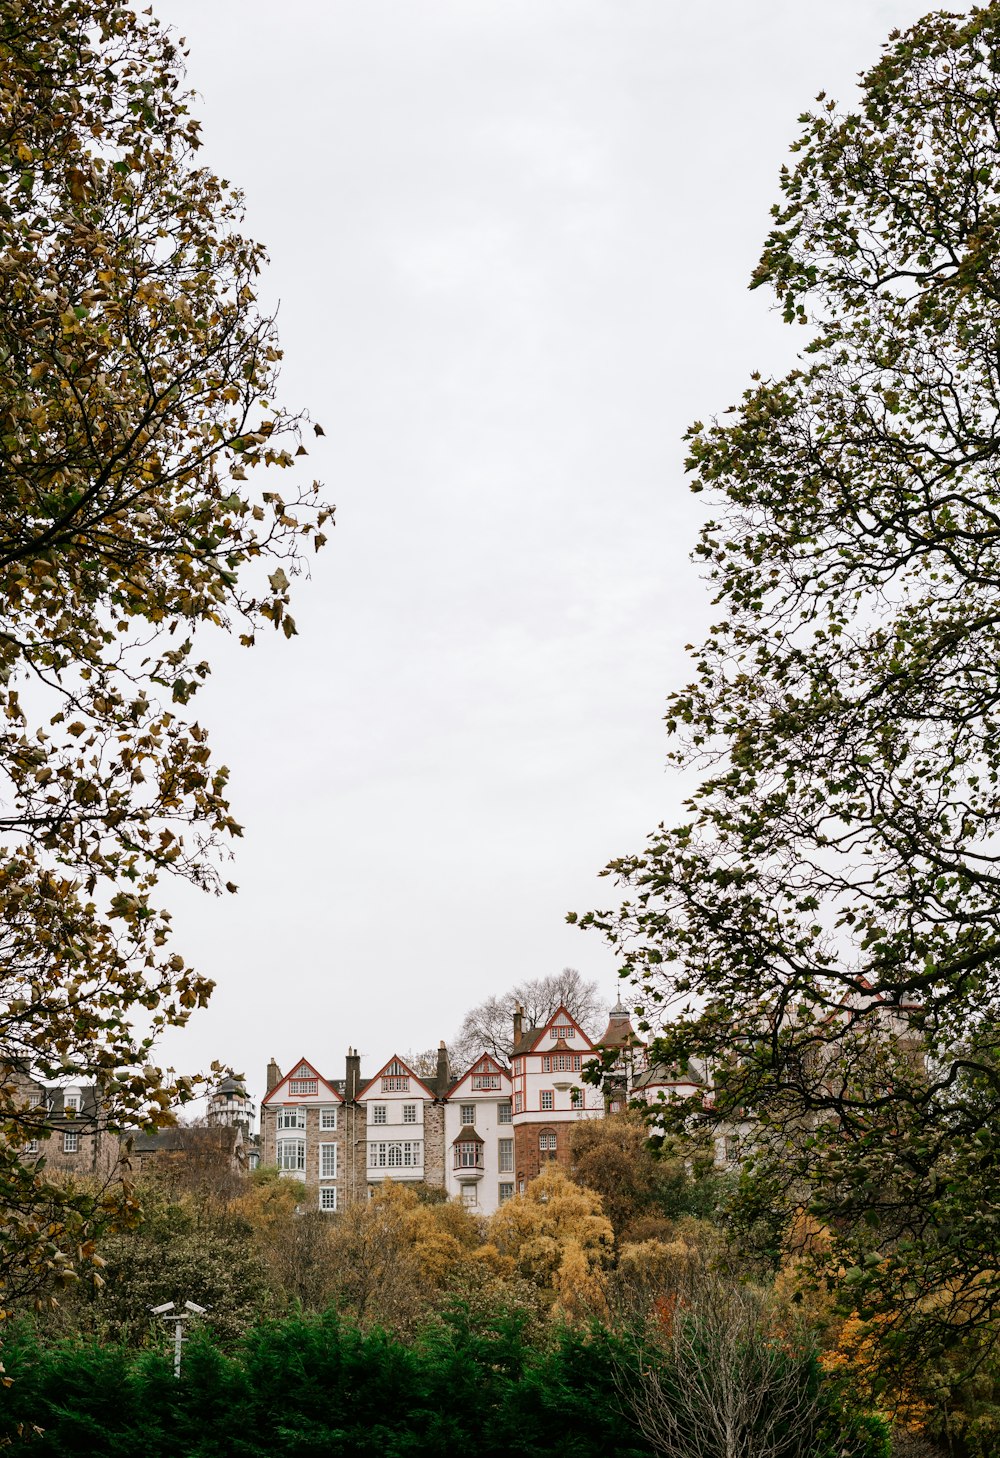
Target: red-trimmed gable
(385,1073)
(560,1018)
(302,1072)
(484,1064)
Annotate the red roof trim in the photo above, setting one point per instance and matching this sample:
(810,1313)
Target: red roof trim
(294,1074)
(476,1067)
(561,1015)
(402,1062)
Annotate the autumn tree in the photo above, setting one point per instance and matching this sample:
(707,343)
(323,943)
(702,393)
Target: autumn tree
(824,926)
(489,1025)
(137,418)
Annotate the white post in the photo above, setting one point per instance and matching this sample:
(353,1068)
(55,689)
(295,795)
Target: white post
(178,1339)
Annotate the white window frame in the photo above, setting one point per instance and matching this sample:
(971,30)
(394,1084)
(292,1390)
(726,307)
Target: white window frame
(543,1094)
(328,1161)
(467,1114)
(379,1114)
(328,1117)
(328,1197)
(71,1142)
(505,1156)
(290,1117)
(505,1191)
(409,1113)
(505,1112)
(284,1163)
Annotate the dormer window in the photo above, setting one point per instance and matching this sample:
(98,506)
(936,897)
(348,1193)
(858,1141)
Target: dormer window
(71,1101)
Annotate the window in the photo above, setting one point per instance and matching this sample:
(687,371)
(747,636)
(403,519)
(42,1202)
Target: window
(564,1062)
(71,1142)
(505,1151)
(405,1154)
(576,1098)
(31,1147)
(468,1113)
(34,1099)
(328,1198)
(547,1099)
(328,1161)
(576,1062)
(470,1195)
(546,1063)
(468,1154)
(292,1154)
(506,1192)
(547,1141)
(328,1118)
(486,1080)
(291,1118)
(303,1088)
(561,1030)
(518,1103)
(378,1113)
(394,1080)
(71,1103)
(503,1113)
(409,1113)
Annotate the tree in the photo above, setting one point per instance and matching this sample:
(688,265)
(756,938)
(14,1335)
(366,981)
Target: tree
(557,1236)
(490,1025)
(720,1377)
(137,380)
(824,927)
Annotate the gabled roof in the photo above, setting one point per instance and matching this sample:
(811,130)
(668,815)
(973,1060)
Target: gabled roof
(467,1134)
(485,1063)
(404,1065)
(281,1089)
(531,1037)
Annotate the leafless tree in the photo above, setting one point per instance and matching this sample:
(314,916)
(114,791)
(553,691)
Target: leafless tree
(715,1377)
(489,1025)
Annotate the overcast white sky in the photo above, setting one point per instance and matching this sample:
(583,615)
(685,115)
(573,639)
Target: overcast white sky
(511,241)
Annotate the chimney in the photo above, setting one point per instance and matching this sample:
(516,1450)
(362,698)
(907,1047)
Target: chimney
(518,1015)
(443,1073)
(273,1075)
(352,1080)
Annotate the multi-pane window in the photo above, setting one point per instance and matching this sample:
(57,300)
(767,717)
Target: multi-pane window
(547,1099)
(378,1113)
(31,1147)
(328,1161)
(503,1113)
(486,1080)
(505,1152)
(546,1063)
(576,1098)
(468,1154)
(561,1030)
(303,1088)
(470,1195)
(71,1142)
(518,1103)
(71,1103)
(291,1118)
(506,1192)
(395,1080)
(468,1113)
(409,1113)
(565,1062)
(547,1141)
(328,1198)
(292,1154)
(398,1154)
(328,1118)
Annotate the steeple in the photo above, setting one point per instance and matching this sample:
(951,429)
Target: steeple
(619,1033)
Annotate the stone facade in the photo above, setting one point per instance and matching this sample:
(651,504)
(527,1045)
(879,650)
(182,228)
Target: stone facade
(63,1125)
(479,1138)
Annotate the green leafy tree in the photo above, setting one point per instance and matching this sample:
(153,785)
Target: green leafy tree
(823,930)
(137,416)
